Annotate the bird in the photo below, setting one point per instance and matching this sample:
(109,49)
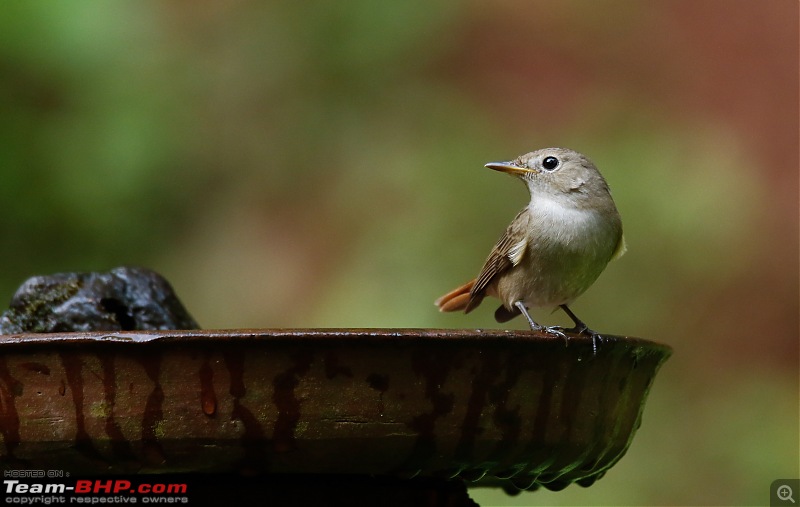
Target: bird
(555,248)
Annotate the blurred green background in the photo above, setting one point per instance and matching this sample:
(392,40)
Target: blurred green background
(320,164)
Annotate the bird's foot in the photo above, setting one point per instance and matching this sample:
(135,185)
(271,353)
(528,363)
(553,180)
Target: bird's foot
(595,338)
(557,331)
(582,329)
(553,330)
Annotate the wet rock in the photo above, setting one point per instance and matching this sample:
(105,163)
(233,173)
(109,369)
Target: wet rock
(123,299)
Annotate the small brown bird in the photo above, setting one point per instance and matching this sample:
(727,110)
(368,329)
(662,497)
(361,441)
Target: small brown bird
(555,248)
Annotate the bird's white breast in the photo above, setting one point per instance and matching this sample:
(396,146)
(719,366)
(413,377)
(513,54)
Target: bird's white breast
(563,223)
(566,250)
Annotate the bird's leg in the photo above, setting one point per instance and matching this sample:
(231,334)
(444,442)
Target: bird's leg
(554,330)
(581,328)
(524,311)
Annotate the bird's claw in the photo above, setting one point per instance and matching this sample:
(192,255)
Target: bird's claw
(577,330)
(595,336)
(557,331)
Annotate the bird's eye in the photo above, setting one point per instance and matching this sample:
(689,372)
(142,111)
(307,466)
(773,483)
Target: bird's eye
(550,163)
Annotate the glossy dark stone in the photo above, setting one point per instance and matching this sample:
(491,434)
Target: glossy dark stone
(123,299)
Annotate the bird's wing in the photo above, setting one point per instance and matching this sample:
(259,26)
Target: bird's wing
(507,253)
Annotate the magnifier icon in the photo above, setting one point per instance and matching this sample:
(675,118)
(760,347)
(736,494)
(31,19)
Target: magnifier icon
(785,493)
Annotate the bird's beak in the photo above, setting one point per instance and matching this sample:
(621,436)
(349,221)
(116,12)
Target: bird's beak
(509,168)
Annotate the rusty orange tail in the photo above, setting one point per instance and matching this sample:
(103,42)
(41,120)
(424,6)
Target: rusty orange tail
(456,300)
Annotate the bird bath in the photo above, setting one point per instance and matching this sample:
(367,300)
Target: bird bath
(492,407)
